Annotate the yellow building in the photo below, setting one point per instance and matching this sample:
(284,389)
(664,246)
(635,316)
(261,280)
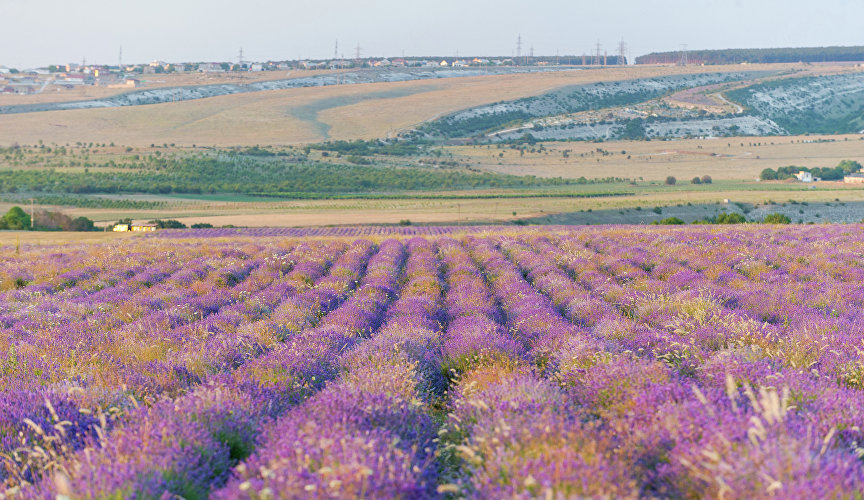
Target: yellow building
(135,228)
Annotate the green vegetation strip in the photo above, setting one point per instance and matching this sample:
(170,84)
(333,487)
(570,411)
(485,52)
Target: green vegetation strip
(412,196)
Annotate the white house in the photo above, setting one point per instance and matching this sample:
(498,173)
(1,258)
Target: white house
(806,177)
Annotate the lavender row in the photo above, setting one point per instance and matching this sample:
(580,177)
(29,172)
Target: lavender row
(218,354)
(730,414)
(369,432)
(219,422)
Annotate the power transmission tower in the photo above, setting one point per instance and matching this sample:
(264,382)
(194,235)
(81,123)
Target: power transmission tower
(519,47)
(120,59)
(532,55)
(240,58)
(336,50)
(684,59)
(357,53)
(622,52)
(597,53)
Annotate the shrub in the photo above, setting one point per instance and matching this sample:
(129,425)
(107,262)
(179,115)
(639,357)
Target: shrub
(669,221)
(670,181)
(777,218)
(696,180)
(730,218)
(168,224)
(706,179)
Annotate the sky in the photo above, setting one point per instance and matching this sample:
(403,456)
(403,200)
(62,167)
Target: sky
(36,33)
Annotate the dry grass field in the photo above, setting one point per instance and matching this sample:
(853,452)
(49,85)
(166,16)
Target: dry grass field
(153,81)
(723,158)
(308,114)
(9,239)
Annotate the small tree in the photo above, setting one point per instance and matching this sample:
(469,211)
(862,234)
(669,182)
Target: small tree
(696,180)
(670,181)
(16,218)
(769,174)
(706,179)
(82,224)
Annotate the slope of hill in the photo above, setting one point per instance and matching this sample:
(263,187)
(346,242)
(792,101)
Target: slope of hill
(823,104)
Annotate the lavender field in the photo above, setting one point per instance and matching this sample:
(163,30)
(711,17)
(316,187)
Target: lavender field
(696,362)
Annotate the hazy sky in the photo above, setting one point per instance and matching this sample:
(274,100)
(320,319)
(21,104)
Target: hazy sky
(41,32)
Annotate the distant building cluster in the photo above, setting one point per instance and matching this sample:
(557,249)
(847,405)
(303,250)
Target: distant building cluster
(70,76)
(401,62)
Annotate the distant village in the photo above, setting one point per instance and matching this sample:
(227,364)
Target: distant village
(70,76)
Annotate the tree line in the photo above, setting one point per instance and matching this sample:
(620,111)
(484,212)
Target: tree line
(43,220)
(236,174)
(756,56)
(837,173)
